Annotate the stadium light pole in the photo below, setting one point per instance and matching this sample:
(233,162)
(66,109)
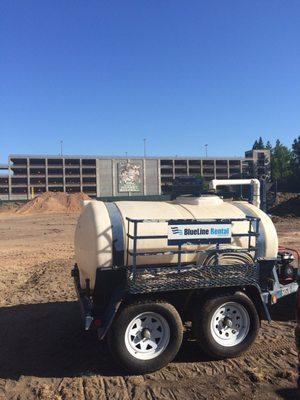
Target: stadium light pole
(206,149)
(144,147)
(61,147)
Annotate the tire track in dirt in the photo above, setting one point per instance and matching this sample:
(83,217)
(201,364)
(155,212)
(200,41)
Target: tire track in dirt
(48,357)
(42,282)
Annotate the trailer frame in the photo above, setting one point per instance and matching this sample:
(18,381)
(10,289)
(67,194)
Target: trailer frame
(133,280)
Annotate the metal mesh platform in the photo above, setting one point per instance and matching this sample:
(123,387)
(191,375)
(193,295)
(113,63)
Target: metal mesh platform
(158,279)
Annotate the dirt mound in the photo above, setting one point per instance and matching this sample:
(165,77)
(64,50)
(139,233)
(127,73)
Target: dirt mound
(48,356)
(285,196)
(9,207)
(54,202)
(289,207)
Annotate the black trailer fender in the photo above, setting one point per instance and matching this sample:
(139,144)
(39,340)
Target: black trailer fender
(110,311)
(255,294)
(252,291)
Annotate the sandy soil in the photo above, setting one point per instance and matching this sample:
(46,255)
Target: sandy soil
(45,355)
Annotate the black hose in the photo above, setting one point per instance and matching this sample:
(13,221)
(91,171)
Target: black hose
(229,259)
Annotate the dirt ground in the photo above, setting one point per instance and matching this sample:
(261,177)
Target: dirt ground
(45,355)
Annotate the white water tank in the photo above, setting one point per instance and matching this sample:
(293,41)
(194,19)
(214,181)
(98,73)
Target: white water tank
(94,245)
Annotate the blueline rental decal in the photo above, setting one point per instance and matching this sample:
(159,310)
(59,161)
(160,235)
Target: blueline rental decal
(211,232)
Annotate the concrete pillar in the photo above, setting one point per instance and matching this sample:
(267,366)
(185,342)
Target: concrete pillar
(64,174)
(173,161)
(159,176)
(28,179)
(215,170)
(128,193)
(145,177)
(46,174)
(80,174)
(9,179)
(98,183)
(113,174)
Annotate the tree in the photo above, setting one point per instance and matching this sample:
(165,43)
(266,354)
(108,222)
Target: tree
(296,150)
(281,158)
(285,163)
(261,145)
(269,146)
(295,163)
(258,144)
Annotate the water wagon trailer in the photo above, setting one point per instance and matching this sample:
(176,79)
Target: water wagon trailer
(147,271)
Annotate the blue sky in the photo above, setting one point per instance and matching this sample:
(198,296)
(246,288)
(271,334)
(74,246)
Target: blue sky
(102,75)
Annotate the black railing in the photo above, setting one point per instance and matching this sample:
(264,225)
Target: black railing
(253,231)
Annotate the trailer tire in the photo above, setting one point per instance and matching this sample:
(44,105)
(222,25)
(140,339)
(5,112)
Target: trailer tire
(145,336)
(226,325)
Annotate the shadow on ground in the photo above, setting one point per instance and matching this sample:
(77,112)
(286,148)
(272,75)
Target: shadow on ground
(285,309)
(289,394)
(47,340)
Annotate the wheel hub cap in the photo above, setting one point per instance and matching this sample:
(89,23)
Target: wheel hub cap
(227,322)
(146,334)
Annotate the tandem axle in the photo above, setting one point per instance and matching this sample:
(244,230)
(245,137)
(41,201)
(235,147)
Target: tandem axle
(142,308)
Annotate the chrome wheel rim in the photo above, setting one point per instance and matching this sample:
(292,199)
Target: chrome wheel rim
(147,336)
(230,324)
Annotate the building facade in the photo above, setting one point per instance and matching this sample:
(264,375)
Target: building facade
(98,176)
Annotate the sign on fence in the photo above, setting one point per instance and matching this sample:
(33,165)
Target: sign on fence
(192,232)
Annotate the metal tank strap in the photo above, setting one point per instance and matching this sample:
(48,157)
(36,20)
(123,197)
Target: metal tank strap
(117,234)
